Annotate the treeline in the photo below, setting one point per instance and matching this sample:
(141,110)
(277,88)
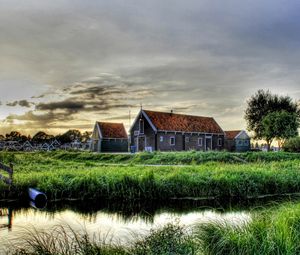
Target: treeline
(41,136)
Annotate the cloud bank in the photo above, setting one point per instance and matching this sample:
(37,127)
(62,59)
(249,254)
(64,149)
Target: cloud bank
(69,63)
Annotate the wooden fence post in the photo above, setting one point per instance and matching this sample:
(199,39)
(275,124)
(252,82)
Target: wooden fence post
(11,173)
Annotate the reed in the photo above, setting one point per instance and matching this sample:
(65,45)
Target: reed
(273,231)
(64,240)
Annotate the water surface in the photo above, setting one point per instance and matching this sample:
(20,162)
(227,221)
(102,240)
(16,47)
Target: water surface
(119,224)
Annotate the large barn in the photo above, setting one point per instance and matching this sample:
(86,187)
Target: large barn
(167,131)
(109,137)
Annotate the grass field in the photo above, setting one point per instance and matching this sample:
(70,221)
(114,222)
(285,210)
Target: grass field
(214,175)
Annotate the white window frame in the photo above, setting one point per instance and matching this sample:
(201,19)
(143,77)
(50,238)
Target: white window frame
(142,121)
(172,137)
(219,141)
(187,139)
(200,141)
(161,138)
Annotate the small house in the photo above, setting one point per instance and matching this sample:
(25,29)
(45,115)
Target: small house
(109,137)
(167,131)
(45,147)
(55,144)
(27,146)
(237,140)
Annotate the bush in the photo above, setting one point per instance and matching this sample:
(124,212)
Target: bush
(292,145)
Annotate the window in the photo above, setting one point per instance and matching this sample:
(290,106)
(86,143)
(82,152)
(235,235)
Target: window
(246,142)
(240,142)
(187,139)
(136,132)
(141,126)
(161,138)
(200,141)
(219,141)
(172,140)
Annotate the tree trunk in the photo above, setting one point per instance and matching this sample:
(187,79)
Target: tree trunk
(269,145)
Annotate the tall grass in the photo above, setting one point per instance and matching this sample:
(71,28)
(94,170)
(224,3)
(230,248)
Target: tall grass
(270,232)
(65,241)
(86,179)
(182,158)
(166,158)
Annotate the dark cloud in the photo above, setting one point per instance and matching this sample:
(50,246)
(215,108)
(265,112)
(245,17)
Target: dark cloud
(69,105)
(22,103)
(42,119)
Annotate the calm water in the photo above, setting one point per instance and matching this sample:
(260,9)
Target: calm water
(113,223)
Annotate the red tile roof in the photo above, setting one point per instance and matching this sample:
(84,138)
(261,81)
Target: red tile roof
(112,130)
(232,134)
(183,123)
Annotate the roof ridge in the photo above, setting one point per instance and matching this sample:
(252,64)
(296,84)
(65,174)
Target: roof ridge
(181,114)
(105,122)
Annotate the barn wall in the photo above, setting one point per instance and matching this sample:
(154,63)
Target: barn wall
(114,145)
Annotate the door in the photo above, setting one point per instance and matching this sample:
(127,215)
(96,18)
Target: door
(208,144)
(141,143)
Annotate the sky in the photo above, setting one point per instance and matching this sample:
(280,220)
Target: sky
(65,64)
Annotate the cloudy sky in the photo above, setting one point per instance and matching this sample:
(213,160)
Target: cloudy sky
(67,63)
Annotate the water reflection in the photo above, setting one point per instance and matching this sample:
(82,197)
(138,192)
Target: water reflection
(113,222)
(117,221)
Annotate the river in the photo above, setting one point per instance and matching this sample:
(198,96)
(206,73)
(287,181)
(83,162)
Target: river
(119,223)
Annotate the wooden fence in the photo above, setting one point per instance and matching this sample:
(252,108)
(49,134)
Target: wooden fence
(9,170)
(6,212)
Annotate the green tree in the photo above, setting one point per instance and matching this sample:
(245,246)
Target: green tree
(13,136)
(41,137)
(279,125)
(292,145)
(86,136)
(69,136)
(261,104)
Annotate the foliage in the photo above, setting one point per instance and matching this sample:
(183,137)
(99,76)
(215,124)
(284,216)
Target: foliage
(270,232)
(263,103)
(70,136)
(73,177)
(41,137)
(292,145)
(16,136)
(64,241)
(280,125)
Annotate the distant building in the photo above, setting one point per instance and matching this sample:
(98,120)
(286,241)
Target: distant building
(167,131)
(237,140)
(56,144)
(109,137)
(45,147)
(27,146)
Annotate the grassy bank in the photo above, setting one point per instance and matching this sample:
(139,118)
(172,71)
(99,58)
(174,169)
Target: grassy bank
(271,231)
(174,158)
(164,158)
(87,179)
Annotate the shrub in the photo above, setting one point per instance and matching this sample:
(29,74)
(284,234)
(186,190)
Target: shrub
(292,145)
